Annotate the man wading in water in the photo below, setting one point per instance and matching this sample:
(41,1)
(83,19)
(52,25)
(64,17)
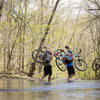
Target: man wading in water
(68,61)
(47,65)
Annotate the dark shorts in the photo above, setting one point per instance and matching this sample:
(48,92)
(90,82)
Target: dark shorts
(48,70)
(70,70)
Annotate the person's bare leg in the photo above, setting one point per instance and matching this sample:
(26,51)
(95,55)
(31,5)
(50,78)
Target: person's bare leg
(43,77)
(49,78)
(70,76)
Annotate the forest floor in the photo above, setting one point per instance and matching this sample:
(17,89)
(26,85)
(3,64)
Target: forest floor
(14,76)
(20,76)
(9,75)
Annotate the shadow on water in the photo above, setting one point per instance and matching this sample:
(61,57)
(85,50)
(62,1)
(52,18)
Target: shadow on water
(46,83)
(55,90)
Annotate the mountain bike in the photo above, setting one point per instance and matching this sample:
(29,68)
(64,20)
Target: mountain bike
(79,63)
(96,64)
(39,55)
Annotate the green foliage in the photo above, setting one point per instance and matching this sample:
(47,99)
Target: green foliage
(22,28)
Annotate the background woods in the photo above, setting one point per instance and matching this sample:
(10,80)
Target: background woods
(23,24)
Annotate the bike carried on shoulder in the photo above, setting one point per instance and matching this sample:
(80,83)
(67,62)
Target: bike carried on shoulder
(39,55)
(79,63)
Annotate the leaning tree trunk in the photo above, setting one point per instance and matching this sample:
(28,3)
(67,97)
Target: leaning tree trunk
(48,28)
(1,7)
(41,31)
(49,23)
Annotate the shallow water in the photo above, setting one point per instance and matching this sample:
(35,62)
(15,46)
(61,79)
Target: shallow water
(56,90)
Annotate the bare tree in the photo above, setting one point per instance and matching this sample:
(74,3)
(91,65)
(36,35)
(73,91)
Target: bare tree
(93,8)
(47,28)
(1,7)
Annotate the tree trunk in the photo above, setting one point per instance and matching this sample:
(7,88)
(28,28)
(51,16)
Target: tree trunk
(1,7)
(49,23)
(46,32)
(98,41)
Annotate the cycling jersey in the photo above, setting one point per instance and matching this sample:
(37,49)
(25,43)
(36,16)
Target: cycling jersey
(69,58)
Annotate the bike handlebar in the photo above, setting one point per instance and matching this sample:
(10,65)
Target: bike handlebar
(78,54)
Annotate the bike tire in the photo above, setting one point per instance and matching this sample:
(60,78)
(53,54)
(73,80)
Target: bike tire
(63,67)
(94,67)
(80,64)
(38,57)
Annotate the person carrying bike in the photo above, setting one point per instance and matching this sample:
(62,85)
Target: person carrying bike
(47,65)
(68,61)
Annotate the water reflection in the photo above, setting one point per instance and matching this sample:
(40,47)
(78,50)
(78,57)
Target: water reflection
(57,90)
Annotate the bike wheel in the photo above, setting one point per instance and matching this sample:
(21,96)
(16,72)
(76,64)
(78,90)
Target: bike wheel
(80,64)
(96,64)
(60,65)
(38,55)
